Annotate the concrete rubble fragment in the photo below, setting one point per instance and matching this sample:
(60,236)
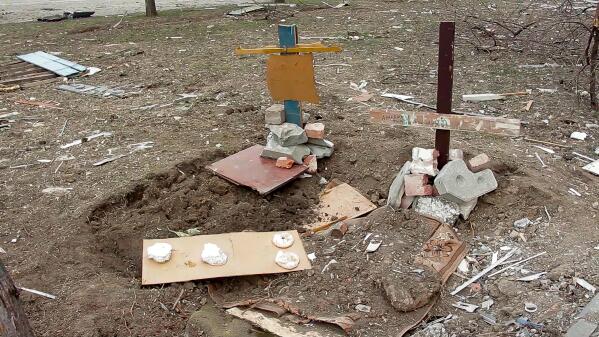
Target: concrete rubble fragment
(578,135)
(433,330)
(275,114)
(522,223)
(440,209)
(321,142)
(586,321)
(288,134)
(396,191)
(457,183)
(320,151)
(274,150)
(314,130)
(467,207)
(455,154)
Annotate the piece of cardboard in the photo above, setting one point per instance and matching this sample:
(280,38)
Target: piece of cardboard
(291,77)
(249,253)
(342,202)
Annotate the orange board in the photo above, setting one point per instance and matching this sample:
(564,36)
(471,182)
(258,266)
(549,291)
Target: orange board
(291,77)
(249,253)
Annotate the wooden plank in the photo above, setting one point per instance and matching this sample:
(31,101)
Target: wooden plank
(26,79)
(494,125)
(23,73)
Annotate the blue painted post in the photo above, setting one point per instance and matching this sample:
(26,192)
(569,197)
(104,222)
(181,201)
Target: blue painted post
(288,38)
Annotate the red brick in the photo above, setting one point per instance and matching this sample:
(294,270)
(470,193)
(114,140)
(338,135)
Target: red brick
(417,184)
(479,163)
(315,130)
(284,162)
(312,164)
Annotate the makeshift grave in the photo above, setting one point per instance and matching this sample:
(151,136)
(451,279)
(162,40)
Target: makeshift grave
(290,78)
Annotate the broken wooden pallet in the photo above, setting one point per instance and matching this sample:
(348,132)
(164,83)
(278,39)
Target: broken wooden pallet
(20,72)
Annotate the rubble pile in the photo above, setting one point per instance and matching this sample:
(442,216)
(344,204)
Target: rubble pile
(443,195)
(288,142)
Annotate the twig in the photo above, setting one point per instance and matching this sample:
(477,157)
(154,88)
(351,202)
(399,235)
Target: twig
(517,263)
(58,167)
(541,160)
(63,128)
(121,20)
(37,292)
(485,271)
(178,299)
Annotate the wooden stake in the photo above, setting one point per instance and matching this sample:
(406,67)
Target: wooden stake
(13,321)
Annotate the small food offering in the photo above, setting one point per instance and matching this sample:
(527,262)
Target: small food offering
(213,255)
(160,252)
(287,260)
(283,240)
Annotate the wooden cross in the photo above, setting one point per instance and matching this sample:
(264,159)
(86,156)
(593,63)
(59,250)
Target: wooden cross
(290,77)
(444,119)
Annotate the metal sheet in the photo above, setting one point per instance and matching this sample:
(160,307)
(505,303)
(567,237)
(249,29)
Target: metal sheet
(52,63)
(247,168)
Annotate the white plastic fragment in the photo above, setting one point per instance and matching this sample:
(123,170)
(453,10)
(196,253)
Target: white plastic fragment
(57,190)
(482,97)
(373,246)
(287,260)
(486,305)
(312,256)
(160,252)
(586,285)
(522,223)
(465,306)
(464,267)
(530,307)
(363,308)
(578,135)
(282,239)
(531,277)
(213,255)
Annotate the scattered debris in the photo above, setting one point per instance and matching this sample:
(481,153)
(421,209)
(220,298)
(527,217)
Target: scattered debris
(484,272)
(511,266)
(586,285)
(522,223)
(586,321)
(98,91)
(578,135)
(592,167)
(363,308)
(490,97)
(245,10)
(66,16)
(57,190)
(443,252)
(39,104)
(531,277)
(465,306)
(93,136)
(37,292)
(373,246)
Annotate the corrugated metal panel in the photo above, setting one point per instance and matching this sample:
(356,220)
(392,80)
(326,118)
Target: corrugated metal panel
(52,63)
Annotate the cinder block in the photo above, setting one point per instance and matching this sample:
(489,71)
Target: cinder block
(396,191)
(315,130)
(437,208)
(284,162)
(288,134)
(417,184)
(457,183)
(275,114)
(479,163)
(467,207)
(312,164)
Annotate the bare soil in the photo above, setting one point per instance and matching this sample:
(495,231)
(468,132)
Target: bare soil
(84,245)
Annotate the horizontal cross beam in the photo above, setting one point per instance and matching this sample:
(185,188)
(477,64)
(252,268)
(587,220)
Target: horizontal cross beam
(300,48)
(494,125)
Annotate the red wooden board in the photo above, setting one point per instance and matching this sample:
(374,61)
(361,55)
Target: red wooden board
(247,168)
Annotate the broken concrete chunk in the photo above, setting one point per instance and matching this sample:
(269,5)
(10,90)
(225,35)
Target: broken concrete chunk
(522,223)
(457,183)
(315,130)
(321,142)
(396,191)
(479,163)
(409,292)
(437,208)
(433,330)
(455,154)
(274,150)
(288,134)
(424,161)
(275,114)
(320,151)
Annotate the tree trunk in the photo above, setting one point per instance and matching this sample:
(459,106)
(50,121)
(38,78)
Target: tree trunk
(151,8)
(13,322)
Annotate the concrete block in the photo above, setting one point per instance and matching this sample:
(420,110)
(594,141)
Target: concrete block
(467,207)
(288,134)
(582,328)
(275,114)
(312,164)
(396,191)
(284,162)
(455,154)
(306,117)
(424,161)
(417,184)
(320,151)
(315,130)
(321,142)
(479,163)
(457,183)
(274,150)
(437,208)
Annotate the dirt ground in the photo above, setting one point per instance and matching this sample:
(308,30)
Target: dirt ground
(84,245)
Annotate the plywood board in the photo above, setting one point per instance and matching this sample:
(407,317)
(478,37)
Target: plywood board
(249,169)
(249,253)
(343,202)
(494,125)
(291,77)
